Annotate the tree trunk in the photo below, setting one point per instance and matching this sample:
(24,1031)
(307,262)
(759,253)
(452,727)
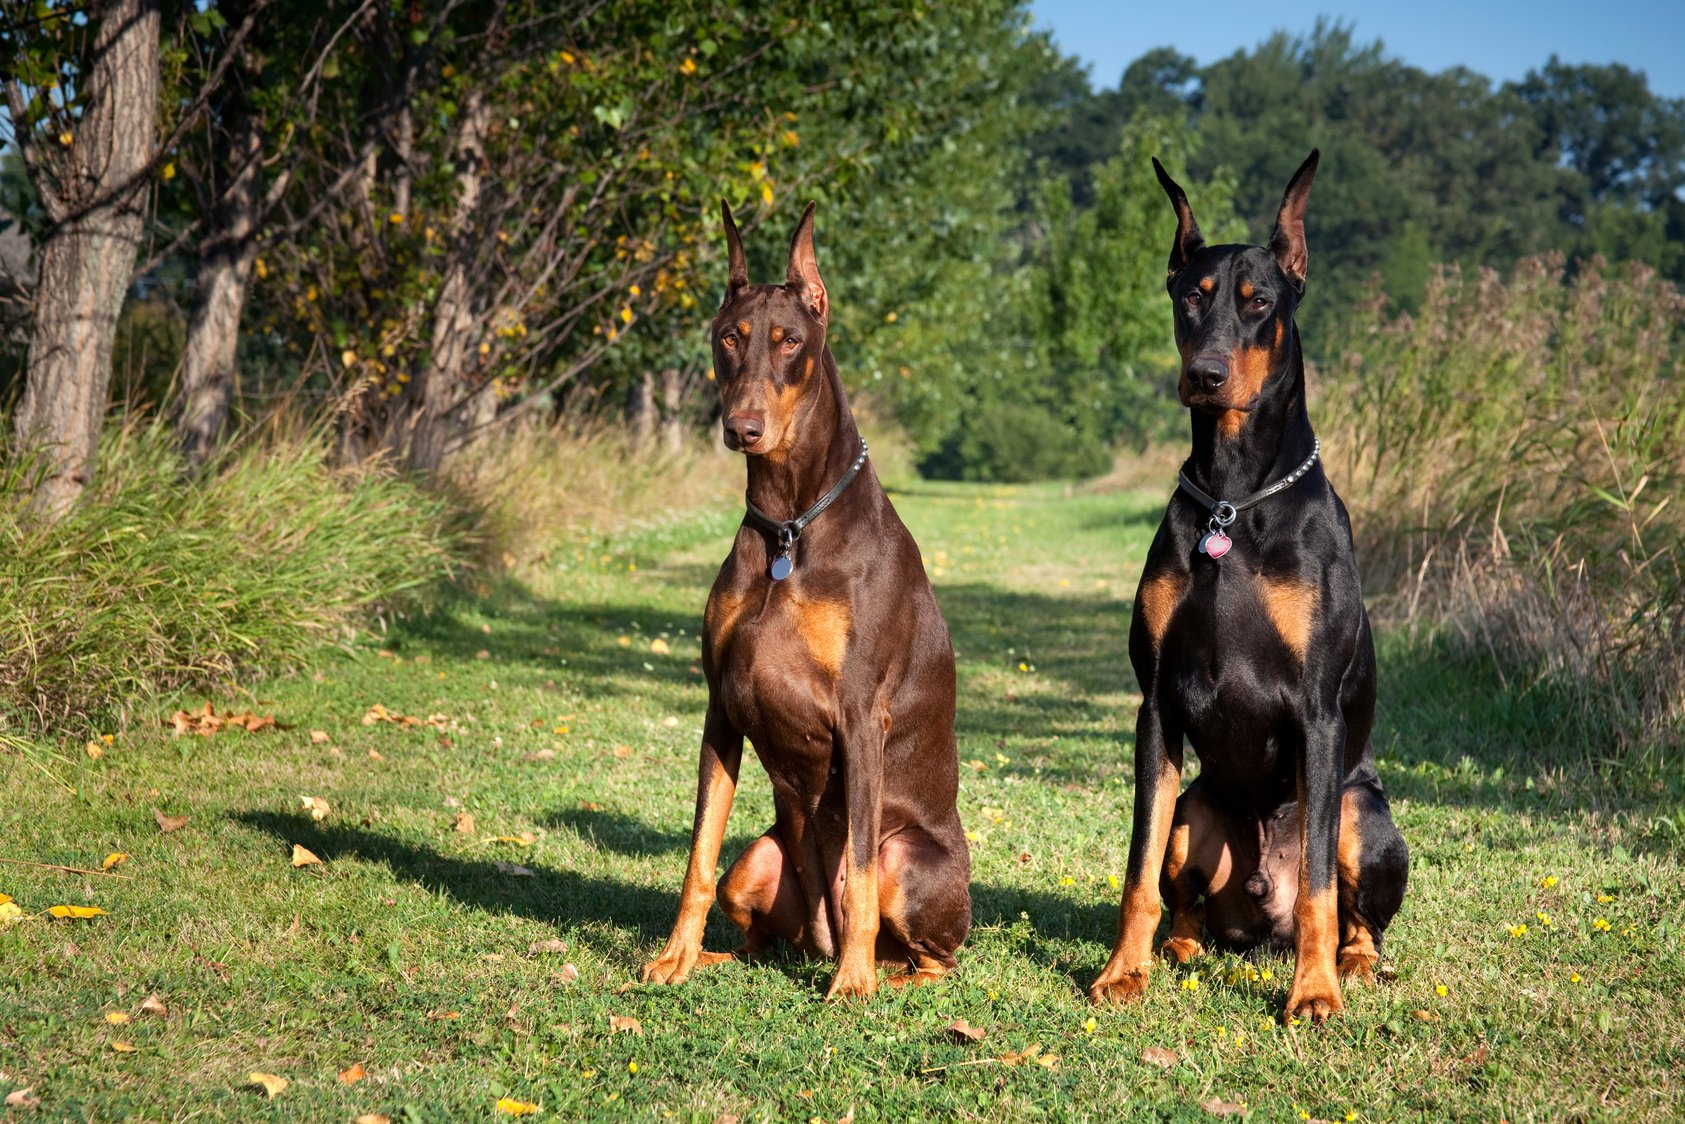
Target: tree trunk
(225,265)
(672,398)
(443,420)
(89,252)
(640,409)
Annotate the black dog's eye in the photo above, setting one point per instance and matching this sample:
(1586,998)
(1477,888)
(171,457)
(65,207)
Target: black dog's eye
(1194,299)
(1259,304)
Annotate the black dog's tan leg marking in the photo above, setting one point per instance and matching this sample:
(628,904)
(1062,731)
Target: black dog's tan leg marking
(1315,994)
(716,786)
(1157,778)
(1291,607)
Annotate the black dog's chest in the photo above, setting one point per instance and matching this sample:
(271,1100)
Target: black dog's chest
(1228,669)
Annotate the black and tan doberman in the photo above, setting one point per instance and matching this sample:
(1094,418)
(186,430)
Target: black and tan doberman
(823,645)
(1251,642)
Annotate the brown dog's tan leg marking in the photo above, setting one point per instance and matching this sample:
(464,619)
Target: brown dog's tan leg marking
(716,787)
(1291,607)
(1159,596)
(857,964)
(1125,974)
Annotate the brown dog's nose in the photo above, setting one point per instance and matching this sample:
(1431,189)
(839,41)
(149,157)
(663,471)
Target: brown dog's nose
(745,428)
(1208,372)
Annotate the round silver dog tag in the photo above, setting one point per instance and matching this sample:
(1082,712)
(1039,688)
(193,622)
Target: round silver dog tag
(781,567)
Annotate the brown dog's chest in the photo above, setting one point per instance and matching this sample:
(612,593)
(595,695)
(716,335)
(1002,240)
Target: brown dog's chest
(778,652)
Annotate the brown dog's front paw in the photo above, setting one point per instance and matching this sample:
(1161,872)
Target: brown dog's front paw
(1312,1008)
(672,966)
(1119,988)
(1181,949)
(853,983)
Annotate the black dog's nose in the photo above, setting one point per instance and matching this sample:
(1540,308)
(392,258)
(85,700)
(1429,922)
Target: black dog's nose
(747,428)
(1208,372)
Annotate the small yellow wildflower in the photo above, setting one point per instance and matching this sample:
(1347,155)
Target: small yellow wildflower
(1518,930)
(1111,881)
(396,218)
(1266,975)
(1600,924)
(1544,918)
(1548,881)
(1022,666)
(1067,881)
(1574,977)
(1088,1027)
(1239,1037)
(631,1067)
(1605,899)
(1441,990)
(1221,1032)
(687,67)
(1191,984)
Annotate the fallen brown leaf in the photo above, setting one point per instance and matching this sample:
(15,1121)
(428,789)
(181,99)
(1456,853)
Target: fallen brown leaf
(318,808)
(1423,1015)
(1029,1055)
(539,755)
(625,1024)
(270,1083)
(465,823)
(23,1098)
(623,751)
(1216,1106)
(373,1118)
(94,750)
(152,1005)
(353,1074)
(167,824)
(75,912)
(124,1048)
(116,1018)
(552,945)
(206,721)
(115,858)
(318,737)
(1159,1056)
(659,646)
(482,654)
(964,1031)
(568,973)
(303,856)
(440,1015)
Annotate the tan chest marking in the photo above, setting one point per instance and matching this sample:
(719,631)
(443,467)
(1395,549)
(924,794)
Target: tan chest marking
(719,619)
(823,626)
(1291,606)
(1159,596)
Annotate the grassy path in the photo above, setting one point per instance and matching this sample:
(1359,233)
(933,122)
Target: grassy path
(569,713)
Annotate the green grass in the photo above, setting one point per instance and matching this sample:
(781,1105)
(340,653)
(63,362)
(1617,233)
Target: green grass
(407,950)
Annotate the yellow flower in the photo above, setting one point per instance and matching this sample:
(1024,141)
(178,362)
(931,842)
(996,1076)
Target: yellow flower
(1573,977)
(1601,925)
(1441,990)
(395,218)
(1022,666)
(167,172)
(1518,930)
(1191,984)
(1266,974)
(1221,1031)
(687,67)
(1067,881)
(1111,880)
(1088,1027)
(1605,899)
(631,1067)
(625,314)
(1548,881)
(1544,918)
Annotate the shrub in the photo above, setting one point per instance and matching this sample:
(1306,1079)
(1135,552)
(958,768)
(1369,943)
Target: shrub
(157,581)
(1010,443)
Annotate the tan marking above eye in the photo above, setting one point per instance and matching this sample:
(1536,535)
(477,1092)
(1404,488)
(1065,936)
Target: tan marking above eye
(777,333)
(1206,284)
(1246,290)
(744,327)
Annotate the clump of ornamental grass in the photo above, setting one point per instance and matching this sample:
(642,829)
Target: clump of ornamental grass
(160,580)
(1512,455)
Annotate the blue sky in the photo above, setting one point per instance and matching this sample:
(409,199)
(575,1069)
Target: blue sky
(1502,39)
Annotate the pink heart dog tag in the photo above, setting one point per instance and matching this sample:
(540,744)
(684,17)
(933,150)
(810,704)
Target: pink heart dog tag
(1216,544)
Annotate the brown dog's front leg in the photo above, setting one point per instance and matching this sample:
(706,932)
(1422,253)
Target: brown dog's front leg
(857,965)
(1158,776)
(716,786)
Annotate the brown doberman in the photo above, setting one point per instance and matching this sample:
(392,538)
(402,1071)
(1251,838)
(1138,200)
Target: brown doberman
(822,644)
(1251,641)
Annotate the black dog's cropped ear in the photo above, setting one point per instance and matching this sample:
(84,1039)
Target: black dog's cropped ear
(738,279)
(1287,242)
(803,274)
(1188,238)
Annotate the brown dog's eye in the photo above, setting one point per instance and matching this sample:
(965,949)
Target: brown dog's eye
(791,344)
(729,341)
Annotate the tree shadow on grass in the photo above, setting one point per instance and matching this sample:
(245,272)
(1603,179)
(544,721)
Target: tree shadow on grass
(557,897)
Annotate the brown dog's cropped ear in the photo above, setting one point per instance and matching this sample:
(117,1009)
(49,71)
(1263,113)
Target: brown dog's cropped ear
(738,279)
(1287,242)
(1188,238)
(803,274)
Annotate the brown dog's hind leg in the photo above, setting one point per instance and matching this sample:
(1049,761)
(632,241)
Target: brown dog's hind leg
(760,894)
(1197,864)
(924,903)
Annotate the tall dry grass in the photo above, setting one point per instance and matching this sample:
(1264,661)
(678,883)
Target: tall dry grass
(1513,455)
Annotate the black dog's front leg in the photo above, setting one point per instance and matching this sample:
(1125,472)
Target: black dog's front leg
(1158,778)
(1315,993)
